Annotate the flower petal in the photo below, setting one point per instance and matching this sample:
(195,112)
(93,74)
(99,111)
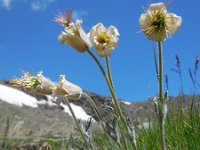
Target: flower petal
(112,31)
(66,88)
(157,36)
(84,37)
(173,22)
(75,37)
(99,28)
(46,85)
(74,41)
(157,7)
(105,53)
(144,21)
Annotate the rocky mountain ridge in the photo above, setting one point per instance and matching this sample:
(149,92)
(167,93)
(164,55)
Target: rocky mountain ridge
(49,119)
(38,116)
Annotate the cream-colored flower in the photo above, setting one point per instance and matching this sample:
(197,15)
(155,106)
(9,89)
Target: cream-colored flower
(157,23)
(104,39)
(66,88)
(74,36)
(26,82)
(38,84)
(46,85)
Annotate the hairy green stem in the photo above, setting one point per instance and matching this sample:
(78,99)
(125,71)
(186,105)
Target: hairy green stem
(111,82)
(97,113)
(160,73)
(155,60)
(93,105)
(115,101)
(161,121)
(109,72)
(76,121)
(108,84)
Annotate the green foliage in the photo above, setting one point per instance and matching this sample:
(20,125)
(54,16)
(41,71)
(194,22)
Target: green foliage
(182,133)
(182,130)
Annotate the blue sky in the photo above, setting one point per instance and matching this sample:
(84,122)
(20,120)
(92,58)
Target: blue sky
(28,40)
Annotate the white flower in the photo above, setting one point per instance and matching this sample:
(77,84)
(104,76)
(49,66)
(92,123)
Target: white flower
(104,39)
(45,86)
(74,36)
(38,84)
(157,23)
(66,88)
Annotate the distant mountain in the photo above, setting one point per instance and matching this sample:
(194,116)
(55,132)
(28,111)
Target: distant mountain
(39,115)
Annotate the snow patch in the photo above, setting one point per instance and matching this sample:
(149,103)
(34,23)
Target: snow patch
(20,98)
(16,97)
(78,111)
(126,102)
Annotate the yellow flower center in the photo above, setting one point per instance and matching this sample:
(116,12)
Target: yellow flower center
(31,82)
(103,38)
(158,21)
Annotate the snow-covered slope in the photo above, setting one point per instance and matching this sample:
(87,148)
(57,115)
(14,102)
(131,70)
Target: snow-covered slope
(17,97)
(126,102)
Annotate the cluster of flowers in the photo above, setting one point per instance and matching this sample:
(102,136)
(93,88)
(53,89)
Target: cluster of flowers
(156,23)
(39,84)
(103,39)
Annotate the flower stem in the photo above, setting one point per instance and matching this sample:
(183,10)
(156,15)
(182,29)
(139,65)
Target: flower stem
(115,101)
(98,114)
(76,121)
(111,82)
(161,121)
(160,73)
(109,72)
(108,84)
(93,106)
